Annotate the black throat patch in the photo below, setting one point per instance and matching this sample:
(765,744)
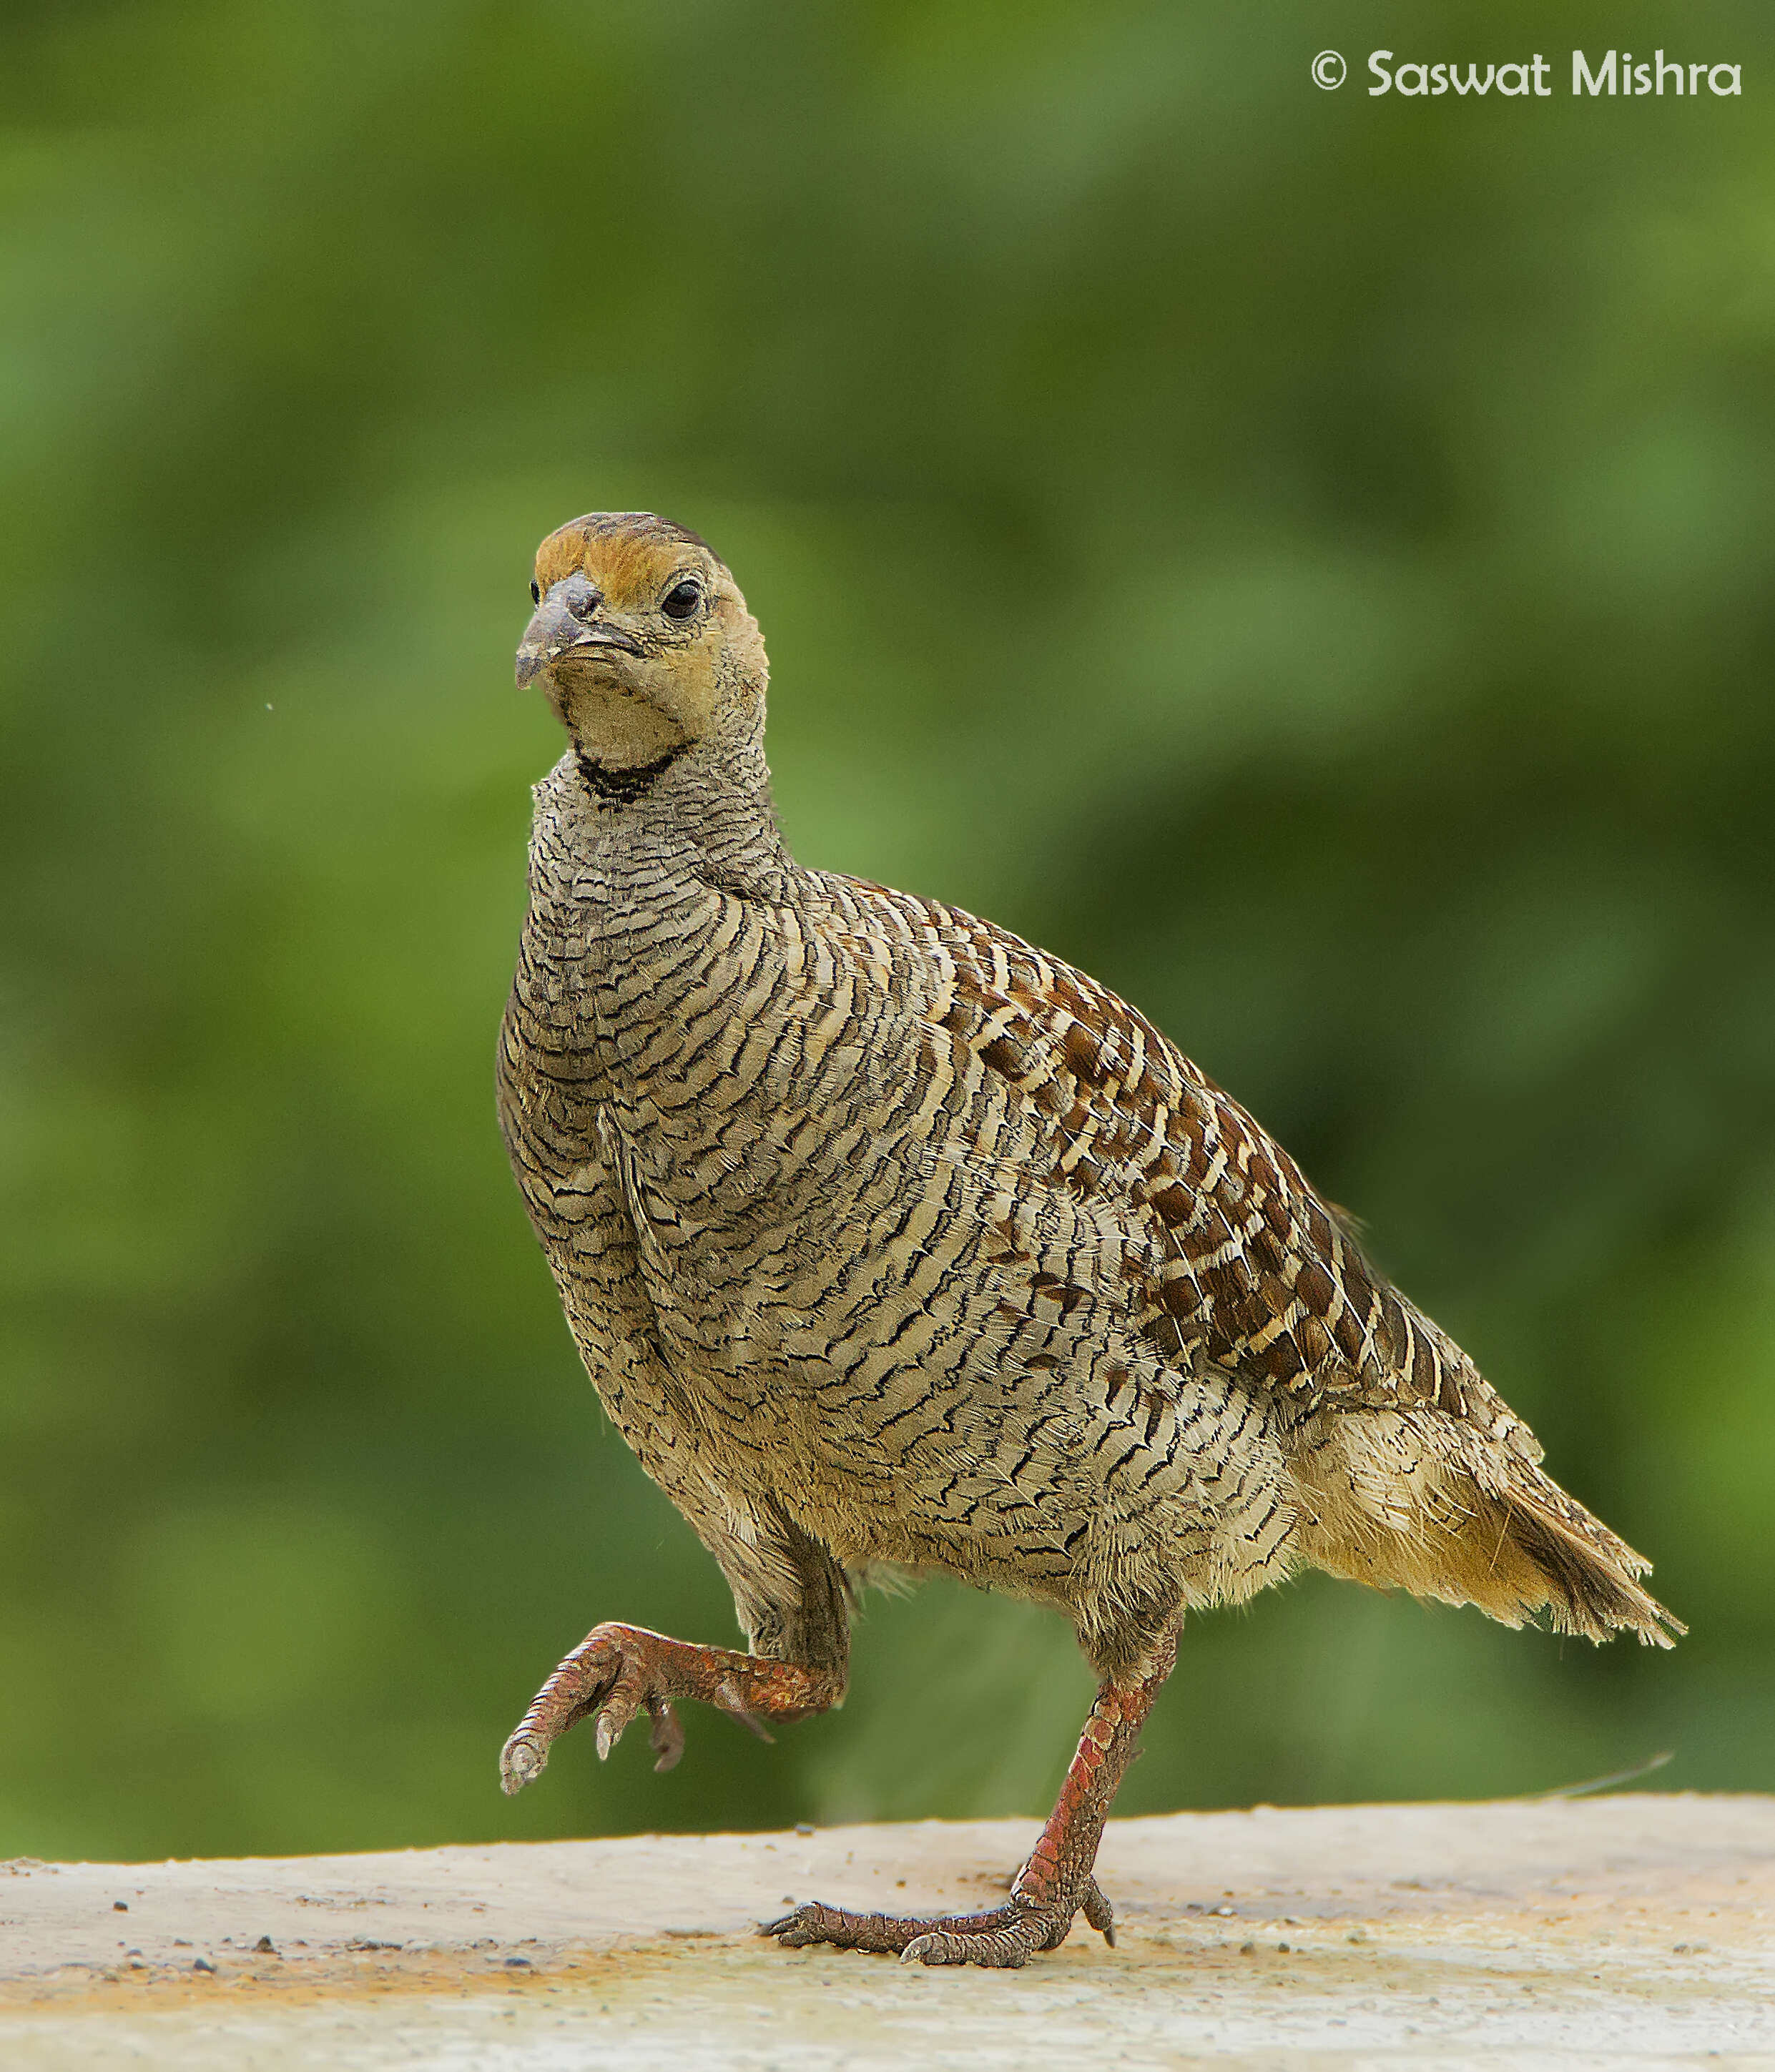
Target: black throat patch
(622,787)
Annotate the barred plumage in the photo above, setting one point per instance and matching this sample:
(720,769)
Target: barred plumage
(887,1238)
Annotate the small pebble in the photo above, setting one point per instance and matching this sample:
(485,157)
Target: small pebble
(517,1963)
(120,1906)
(202,1964)
(267,1945)
(804,1827)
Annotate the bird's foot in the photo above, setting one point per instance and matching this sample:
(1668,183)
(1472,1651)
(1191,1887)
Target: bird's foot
(1004,1937)
(1056,1883)
(618,1670)
(613,1674)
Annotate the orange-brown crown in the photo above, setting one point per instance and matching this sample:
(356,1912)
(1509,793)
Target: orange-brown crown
(623,553)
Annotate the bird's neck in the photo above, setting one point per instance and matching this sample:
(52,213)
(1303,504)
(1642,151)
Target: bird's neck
(617,838)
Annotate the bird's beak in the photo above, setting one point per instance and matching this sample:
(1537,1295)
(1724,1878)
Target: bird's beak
(554,635)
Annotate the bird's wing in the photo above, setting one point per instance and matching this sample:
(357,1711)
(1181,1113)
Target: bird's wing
(1238,1264)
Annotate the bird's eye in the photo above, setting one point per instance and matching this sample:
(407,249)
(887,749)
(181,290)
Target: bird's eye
(536,593)
(682,599)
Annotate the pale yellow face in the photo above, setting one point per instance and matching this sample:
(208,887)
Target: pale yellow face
(641,638)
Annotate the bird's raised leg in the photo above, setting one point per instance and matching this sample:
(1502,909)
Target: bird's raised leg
(1054,1885)
(617,1670)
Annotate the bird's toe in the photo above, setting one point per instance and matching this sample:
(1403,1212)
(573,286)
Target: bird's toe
(1098,1913)
(795,1930)
(667,1735)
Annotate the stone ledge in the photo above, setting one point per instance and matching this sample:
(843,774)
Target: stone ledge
(1634,1930)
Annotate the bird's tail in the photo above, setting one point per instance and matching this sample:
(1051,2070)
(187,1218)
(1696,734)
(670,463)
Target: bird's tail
(1417,1503)
(1587,1579)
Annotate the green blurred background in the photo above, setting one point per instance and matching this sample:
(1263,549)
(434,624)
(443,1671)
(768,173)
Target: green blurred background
(1306,557)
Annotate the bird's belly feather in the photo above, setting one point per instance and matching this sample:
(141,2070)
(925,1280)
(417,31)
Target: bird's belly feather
(939,1394)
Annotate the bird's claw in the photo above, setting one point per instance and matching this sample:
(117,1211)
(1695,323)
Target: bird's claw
(1003,1939)
(521,1760)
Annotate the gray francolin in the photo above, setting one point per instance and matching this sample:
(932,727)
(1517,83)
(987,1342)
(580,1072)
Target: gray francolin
(889,1239)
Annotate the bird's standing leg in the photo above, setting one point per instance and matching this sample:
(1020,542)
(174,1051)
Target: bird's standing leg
(617,1670)
(1054,1883)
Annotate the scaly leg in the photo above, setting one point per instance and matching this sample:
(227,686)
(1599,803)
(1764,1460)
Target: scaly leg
(617,1670)
(1054,1884)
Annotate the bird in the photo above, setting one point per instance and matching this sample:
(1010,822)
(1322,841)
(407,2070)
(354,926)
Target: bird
(893,1244)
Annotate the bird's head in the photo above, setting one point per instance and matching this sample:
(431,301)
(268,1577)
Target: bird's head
(642,642)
